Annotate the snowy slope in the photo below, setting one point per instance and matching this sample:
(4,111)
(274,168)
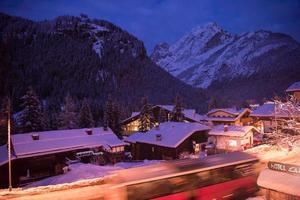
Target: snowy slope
(209,53)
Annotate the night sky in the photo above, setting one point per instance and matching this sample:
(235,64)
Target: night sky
(155,21)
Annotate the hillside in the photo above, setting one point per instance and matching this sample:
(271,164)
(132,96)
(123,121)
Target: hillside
(86,58)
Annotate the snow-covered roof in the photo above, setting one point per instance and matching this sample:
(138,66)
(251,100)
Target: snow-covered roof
(237,114)
(4,155)
(62,140)
(265,110)
(279,181)
(294,87)
(233,131)
(188,113)
(232,111)
(268,110)
(133,114)
(172,134)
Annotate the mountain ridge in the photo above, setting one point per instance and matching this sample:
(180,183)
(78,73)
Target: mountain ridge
(209,56)
(87,58)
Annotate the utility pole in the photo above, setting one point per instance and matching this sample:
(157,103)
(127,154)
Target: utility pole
(9,147)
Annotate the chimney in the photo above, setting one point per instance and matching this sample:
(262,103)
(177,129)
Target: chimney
(89,131)
(105,128)
(225,128)
(158,137)
(35,136)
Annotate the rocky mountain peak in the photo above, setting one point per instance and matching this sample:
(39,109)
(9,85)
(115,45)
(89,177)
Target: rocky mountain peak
(210,55)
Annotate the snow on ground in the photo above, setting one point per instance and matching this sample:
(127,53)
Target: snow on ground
(80,175)
(97,47)
(268,152)
(256,198)
(78,171)
(81,171)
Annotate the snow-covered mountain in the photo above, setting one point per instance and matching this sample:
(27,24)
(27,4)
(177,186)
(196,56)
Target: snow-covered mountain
(209,54)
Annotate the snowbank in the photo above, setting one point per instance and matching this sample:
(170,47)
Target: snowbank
(278,181)
(80,171)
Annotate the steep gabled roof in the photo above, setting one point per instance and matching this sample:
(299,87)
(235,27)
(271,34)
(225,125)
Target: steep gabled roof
(232,111)
(4,155)
(172,134)
(294,87)
(265,110)
(188,113)
(238,114)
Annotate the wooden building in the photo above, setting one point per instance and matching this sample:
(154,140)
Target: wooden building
(167,141)
(224,138)
(266,117)
(294,90)
(43,154)
(229,116)
(131,124)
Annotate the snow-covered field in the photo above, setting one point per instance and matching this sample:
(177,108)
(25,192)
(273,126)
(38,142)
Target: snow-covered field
(81,171)
(80,175)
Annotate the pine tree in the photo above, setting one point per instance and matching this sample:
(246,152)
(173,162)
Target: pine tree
(108,113)
(145,116)
(212,103)
(85,117)
(3,121)
(163,116)
(52,115)
(177,115)
(31,117)
(116,119)
(68,117)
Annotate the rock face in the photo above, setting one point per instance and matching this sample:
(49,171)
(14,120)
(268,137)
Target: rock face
(252,65)
(86,58)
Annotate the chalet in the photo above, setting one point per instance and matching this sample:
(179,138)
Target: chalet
(229,116)
(263,117)
(224,138)
(42,154)
(294,90)
(266,117)
(131,124)
(167,141)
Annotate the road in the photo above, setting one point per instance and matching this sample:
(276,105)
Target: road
(95,191)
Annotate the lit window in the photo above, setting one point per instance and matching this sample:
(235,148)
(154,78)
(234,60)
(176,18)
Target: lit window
(232,143)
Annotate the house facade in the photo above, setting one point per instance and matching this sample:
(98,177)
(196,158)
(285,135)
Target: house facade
(168,141)
(229,116)
(294,90)
(131,124)
(43,154)
(224,138)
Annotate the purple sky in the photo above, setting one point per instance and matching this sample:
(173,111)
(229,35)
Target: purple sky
(155,21)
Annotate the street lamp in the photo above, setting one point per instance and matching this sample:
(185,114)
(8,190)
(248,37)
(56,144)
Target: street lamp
(9,147)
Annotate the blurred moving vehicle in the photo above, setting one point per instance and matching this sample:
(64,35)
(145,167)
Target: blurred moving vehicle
(222,176)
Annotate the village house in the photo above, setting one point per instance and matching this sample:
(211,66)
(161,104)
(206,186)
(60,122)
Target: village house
(294,90)
(229,116)
(131,124)
(224,138)
(268,116)
(264,117)
(167,141)
(42,154)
